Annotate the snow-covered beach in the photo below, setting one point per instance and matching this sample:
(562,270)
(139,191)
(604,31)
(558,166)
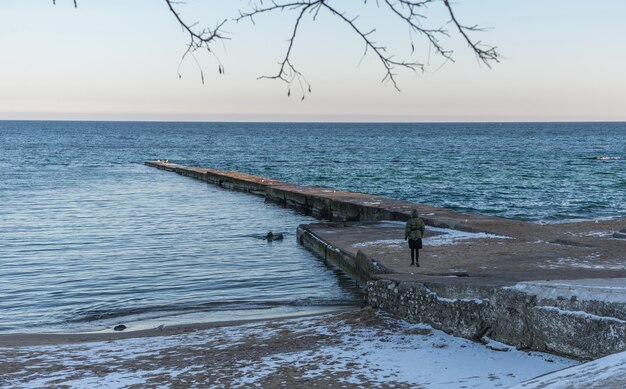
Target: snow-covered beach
(354,349)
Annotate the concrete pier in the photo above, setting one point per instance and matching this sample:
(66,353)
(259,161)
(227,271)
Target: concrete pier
(559,288)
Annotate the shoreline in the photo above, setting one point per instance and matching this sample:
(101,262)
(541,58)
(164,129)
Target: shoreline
(353,349)
(22,339)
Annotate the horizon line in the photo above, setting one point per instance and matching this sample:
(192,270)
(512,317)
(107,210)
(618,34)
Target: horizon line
(294,118)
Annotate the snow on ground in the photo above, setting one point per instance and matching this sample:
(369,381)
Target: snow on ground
(353,349)
(597,234)
(450,237)
(590,261)
(604,373)
(581,314)
(604,289)
(381,242)
(446,236)
(371,202)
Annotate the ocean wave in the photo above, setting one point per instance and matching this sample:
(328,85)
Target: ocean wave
(605,158)
(148,312)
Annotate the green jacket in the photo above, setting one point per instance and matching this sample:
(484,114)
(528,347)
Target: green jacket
(415,227)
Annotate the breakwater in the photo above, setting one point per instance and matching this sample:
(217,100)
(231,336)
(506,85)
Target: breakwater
(320,202)
(556,288)
(336,205)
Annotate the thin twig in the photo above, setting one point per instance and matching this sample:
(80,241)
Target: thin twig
(410,12)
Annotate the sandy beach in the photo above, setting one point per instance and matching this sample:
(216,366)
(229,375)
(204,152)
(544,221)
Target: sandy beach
(60,338)
(353,349)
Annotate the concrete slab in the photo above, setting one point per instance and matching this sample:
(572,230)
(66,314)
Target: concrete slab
(549,255)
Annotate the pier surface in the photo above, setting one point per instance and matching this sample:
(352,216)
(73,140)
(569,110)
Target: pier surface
(555,287)
(583,250)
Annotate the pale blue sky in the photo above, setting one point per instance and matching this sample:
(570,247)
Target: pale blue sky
(118,59)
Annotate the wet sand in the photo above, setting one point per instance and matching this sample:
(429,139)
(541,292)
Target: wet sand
(42,339)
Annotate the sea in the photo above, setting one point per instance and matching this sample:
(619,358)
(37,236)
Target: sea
(90,237)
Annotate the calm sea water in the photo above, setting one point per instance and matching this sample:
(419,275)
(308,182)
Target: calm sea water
(89,237)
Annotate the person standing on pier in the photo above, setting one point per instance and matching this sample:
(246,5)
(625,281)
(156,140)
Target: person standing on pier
(414,231)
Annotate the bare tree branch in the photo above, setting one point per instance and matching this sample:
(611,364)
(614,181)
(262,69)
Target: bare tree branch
(409,12)
(387,60)
(54,2)
(412,19)
(484,53)
(198,39)
(287,71)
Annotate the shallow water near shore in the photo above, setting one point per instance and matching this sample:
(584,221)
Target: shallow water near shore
(89,237)
(144,248)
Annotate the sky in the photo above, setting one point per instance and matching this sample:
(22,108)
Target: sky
(563,60)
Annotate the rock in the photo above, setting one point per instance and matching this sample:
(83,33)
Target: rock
(620,235)
(119,327)
(502,349)
(418,331)
(272,237)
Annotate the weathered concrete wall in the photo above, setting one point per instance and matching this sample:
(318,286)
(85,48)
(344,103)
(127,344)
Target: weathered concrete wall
(581,329)
(360,267)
